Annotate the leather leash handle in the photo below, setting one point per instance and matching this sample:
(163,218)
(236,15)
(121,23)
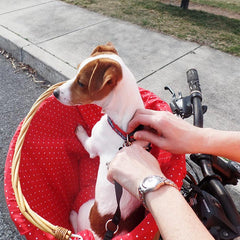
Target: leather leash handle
(117,215)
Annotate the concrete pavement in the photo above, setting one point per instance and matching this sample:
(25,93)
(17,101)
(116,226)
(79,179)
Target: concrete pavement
(54,37)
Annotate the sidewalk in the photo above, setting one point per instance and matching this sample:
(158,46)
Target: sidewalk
(54,37)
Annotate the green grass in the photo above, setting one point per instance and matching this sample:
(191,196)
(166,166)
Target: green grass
(216,31)
(232,6)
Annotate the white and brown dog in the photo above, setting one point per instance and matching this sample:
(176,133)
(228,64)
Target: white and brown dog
(103,79)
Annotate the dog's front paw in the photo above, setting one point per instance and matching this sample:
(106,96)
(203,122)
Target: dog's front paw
(81,134)
(86,141)
(80,129)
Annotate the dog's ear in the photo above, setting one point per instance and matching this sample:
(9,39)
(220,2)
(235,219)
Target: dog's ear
(106,74)
(78,66)
(104,49)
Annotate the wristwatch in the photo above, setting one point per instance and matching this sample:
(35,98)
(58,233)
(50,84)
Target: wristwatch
(152,183)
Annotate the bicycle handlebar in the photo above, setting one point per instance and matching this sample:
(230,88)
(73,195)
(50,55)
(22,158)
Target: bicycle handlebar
(205,162)
(196,97)
(193,81)
(230,169)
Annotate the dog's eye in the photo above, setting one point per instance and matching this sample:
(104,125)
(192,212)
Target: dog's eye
(81,84)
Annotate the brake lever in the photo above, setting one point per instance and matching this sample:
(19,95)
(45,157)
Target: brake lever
(180,105)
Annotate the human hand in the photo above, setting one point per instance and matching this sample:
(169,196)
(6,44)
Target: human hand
(165,130)
(131,165)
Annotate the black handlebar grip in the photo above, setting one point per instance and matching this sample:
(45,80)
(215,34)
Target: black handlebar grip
(193,80)
(196,97)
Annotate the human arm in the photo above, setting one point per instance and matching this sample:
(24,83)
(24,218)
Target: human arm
(174,217)
(178,136)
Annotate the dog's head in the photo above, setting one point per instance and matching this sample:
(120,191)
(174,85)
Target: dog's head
(96,77)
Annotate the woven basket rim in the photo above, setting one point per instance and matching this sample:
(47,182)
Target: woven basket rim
(41,223)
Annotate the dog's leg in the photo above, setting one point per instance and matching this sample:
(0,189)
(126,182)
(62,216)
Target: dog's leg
(73,220)
(86,141)
(83,221)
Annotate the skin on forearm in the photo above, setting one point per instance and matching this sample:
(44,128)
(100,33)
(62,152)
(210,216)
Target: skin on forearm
(174,217)
(178,136)
(216,142)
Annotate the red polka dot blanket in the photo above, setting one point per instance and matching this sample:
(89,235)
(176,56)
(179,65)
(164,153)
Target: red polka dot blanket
(56,173)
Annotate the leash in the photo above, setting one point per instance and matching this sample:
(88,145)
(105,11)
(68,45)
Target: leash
(128,139)
(112,230)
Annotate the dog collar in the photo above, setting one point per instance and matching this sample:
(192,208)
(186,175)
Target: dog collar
(126,137)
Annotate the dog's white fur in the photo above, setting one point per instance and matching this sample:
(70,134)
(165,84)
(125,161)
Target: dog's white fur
(120,105)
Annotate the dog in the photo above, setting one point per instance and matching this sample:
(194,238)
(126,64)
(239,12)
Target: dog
(103,79)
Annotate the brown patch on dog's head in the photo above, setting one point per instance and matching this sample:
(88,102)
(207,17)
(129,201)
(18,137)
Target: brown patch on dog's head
(103,49)
(95,80)
(106,49)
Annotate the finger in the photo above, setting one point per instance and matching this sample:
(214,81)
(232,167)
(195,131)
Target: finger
(150,137)
(144,111)
(137,116)
(141,119)
(111,166)
(143,144)
(110,177)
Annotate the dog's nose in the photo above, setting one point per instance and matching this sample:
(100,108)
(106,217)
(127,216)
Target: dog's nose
(56,93)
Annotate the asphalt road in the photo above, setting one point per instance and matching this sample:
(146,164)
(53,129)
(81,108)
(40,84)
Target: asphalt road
(17,94)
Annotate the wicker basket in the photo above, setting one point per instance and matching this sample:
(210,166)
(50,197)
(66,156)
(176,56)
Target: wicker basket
(58,232)
(151,101)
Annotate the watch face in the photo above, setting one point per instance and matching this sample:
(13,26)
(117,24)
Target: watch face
(151,182)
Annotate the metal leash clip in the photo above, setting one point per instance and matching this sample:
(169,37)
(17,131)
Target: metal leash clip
(128,142)
(107,228)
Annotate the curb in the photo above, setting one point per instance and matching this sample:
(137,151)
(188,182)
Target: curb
(47,65)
